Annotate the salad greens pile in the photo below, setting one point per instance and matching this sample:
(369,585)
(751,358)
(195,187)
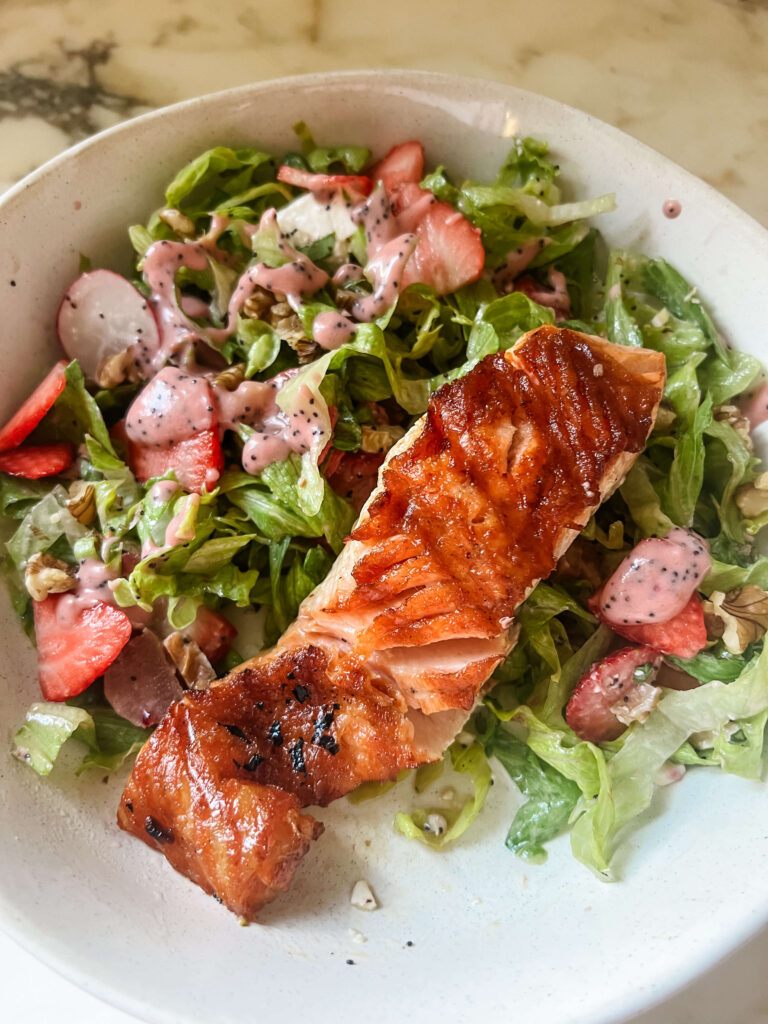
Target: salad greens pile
(264,542)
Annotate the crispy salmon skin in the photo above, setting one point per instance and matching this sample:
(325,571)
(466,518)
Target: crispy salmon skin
(387,656)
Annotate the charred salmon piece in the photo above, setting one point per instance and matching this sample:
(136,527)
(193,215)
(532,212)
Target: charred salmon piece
(240,841)
(474,506)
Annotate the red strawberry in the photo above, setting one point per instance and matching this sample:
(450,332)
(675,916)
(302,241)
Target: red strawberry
(74,650)
(684,635)
(36,461)
(22,423)
(212,633)
(354,476)
(355,185)
(609,682)
(402,163)
(197,462)
(449,253)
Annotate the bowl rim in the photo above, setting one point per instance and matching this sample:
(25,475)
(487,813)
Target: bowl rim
(429,82)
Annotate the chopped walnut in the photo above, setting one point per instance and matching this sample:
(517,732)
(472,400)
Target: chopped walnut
(232,377)
(82,501)
(743,613)
(46,575)
(346,298)
(752,498)
(637,704)
(178,222)
(258,303)
(733,415)
(287,325)
(117,369)
(191,664)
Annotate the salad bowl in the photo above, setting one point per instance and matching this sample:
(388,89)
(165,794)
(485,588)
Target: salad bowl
(549,942)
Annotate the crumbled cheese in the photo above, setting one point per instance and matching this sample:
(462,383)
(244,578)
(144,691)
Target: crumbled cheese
(362,897)
(436,824)
(597,370)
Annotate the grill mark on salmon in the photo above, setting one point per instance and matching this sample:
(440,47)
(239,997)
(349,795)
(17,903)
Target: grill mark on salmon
(474,505)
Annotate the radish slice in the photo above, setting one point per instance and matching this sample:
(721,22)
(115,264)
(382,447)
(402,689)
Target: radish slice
(102,315)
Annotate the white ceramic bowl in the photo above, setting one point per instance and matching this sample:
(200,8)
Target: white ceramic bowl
(491,937)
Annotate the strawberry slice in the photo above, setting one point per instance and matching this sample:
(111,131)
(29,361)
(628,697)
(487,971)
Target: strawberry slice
(354,475)
(355,185)
(684,635)
(36,461)
(22,423)
(403,163)
(615,684)
(212,633)
(449,252)
(197,462)
(76,645)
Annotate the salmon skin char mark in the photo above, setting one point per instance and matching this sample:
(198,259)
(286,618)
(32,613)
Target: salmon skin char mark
(379,671)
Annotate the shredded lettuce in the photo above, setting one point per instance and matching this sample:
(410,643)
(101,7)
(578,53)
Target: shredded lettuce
(470,761)
(646,747)
(47,727)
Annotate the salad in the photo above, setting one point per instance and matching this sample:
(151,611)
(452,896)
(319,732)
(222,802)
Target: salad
(177,484)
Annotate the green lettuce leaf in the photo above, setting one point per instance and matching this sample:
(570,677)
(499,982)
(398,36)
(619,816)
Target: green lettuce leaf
(646,747)
(550,796)
(47,727)
(469,761)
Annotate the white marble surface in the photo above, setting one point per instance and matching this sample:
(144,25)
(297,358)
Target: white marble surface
(689,77)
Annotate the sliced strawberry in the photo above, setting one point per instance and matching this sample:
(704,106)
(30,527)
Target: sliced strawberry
(684,635)
(22,423)
(354,476)
(197,462)
(75,645)
(612,685)
(403,163)
(212,633)
(449,253)
(355,185)
(36,461)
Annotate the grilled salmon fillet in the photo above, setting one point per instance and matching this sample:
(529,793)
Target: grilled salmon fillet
(387,656)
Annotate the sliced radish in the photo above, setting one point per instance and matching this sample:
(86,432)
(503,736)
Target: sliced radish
(102,315)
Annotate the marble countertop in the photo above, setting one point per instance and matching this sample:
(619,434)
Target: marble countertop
(688,77)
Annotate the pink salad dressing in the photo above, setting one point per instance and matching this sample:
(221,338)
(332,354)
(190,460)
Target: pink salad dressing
(93,579)
(347,273)
(672,208)
(504,277)
(332,330)
(173,406)
(656,580)
(276,434)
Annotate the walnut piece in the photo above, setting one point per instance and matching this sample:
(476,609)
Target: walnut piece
(191,664)
(733,415)
(117,369)
(232,377)
(178,222)
(752,498)
(46,575)
(743,613)
(82,501)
